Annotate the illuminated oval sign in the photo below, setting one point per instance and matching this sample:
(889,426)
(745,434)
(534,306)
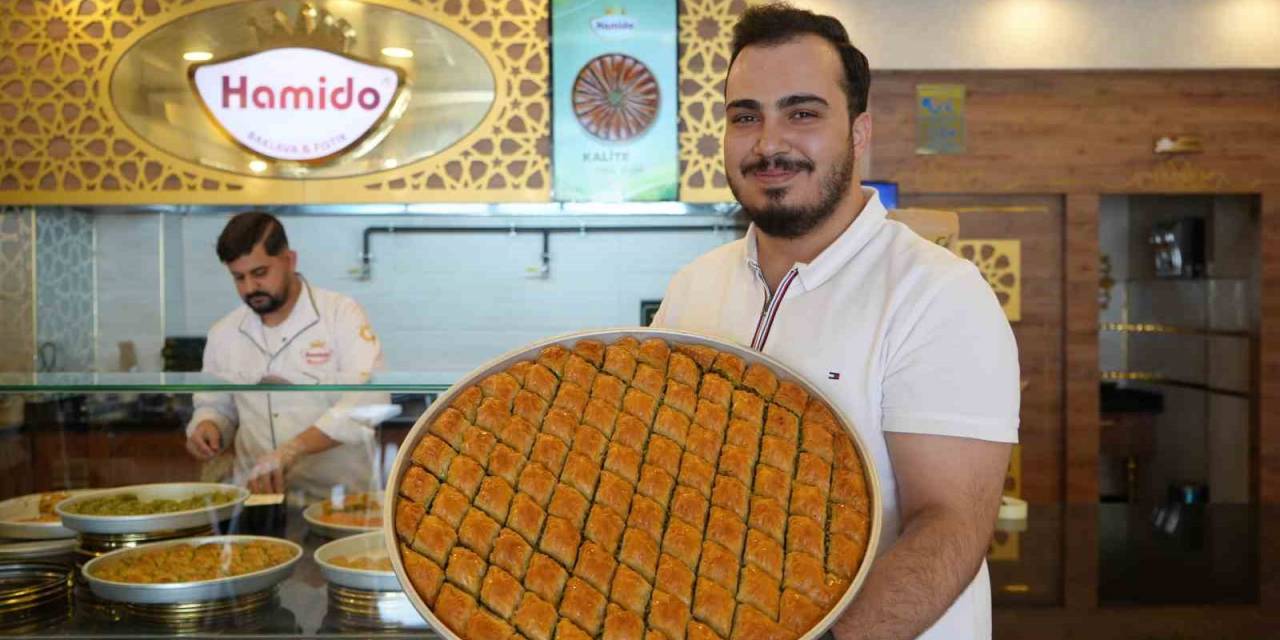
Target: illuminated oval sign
(297,104)
(449,87)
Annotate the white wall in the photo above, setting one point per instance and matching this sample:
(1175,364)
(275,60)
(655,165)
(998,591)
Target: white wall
(1061,34)
(451,302)
(130,280)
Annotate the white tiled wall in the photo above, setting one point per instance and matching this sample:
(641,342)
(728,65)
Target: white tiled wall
(449,302)
(129,285)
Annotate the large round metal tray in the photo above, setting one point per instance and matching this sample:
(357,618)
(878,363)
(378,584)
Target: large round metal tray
(329,529)
(29,585)
(530,352)
(189,592)
(28,506)
(365,579)
(154,522)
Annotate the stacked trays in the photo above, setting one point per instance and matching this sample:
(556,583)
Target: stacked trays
(32,593)
(620,483)
(364,598)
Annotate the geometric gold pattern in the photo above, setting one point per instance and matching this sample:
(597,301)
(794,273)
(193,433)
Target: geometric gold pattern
(62,143)
(1000,262)
(706,32)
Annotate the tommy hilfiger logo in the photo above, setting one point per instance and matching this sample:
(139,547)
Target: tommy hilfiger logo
(833,375)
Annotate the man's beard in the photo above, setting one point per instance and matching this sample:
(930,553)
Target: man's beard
(263,303)
(793,221)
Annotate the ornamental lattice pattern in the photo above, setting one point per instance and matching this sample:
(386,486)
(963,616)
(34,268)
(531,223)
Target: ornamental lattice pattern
(17,274)
(1000,262)
(706,29)
(61,142)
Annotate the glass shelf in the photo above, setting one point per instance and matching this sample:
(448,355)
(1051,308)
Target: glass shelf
(173,382)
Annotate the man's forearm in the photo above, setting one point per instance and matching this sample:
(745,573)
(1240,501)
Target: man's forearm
(914,583)
(313,440)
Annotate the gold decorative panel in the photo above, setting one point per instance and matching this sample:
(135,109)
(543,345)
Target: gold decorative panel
(1000,262)
(706,31)
(62,142)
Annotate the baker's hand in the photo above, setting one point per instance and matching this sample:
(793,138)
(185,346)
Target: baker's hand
(205,441)
(267,474)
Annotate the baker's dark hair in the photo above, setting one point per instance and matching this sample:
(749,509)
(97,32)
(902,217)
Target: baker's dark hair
(245,230)
(779,22)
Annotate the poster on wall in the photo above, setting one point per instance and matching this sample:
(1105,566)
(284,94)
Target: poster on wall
(940,119)
(614,91)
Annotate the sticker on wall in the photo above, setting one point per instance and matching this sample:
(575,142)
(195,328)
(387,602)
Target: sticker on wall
(614,77)
(940,119)
(1000,262)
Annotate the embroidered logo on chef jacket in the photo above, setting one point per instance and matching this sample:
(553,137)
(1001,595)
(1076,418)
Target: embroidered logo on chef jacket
(318,353)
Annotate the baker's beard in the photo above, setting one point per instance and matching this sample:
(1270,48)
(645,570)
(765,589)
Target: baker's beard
(263,302)
(795,220)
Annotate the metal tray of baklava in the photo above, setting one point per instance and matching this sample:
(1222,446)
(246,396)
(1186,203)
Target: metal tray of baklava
(196,591)
(608,336)
(148,523)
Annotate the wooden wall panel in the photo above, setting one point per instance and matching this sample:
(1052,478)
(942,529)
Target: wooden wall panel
(1086,132)
(1091,133)
(1267,437)
(1038,224)
(1080,318)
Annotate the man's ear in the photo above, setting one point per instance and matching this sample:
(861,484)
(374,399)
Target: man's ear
(861,133)
(293,259)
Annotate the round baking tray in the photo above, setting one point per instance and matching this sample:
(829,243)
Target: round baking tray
(28,506)
(363,579)
(32,549)
(30,585)
(92,545)
(188,594)
(328,529)
(204,516)
(608,336)
(374,609)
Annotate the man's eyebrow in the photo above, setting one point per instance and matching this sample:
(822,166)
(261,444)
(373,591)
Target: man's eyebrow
(745,103)
(801,98)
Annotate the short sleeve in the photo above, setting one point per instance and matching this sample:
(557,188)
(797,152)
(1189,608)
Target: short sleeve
(952,365)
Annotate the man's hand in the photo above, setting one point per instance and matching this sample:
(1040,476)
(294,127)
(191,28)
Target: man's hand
(205,441)
(267,475)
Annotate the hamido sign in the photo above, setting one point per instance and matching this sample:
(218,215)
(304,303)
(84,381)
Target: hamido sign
(297,104)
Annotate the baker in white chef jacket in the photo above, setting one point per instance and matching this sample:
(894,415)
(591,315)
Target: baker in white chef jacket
(288,332)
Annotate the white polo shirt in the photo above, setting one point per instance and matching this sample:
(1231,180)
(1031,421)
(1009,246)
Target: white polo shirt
(900,333)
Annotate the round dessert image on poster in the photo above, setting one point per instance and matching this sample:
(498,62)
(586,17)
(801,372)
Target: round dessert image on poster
(615,97)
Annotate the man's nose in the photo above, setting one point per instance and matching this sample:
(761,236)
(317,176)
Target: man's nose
(772,140)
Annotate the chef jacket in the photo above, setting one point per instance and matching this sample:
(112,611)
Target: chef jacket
(325,340)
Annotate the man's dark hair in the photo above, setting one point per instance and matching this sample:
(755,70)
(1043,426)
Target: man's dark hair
(245,230)
(779,22)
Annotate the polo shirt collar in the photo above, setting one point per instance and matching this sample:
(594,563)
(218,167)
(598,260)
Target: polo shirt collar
(813,274)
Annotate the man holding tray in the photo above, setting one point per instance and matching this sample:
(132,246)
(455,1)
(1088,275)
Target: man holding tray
(288,332)
(905,338)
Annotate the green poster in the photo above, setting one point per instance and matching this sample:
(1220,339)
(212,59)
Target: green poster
(614,100)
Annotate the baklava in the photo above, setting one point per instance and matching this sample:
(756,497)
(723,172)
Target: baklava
(637,489)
